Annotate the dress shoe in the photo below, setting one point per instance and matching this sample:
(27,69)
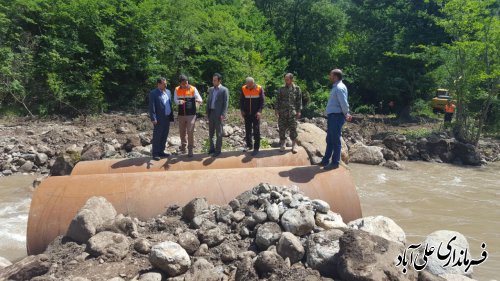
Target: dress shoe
(330,167)
(323,163)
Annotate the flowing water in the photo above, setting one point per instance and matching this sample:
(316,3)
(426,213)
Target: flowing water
(427,197)
(422,199)
(15,199)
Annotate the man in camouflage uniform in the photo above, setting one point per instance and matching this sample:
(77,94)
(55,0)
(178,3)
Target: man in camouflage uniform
(288,110)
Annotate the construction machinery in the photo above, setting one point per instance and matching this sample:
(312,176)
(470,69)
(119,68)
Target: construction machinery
(144,189)
(440,100)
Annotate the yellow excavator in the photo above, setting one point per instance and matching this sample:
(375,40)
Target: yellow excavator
(143,188)
(440,100)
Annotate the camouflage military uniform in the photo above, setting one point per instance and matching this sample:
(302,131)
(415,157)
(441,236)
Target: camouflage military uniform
(288,104)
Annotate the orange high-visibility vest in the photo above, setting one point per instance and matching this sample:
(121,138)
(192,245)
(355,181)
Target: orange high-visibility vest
(449,108)
(189,106)
(251,93)
(185,93)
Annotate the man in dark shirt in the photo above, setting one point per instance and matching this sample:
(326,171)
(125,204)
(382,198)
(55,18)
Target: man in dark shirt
(252,101)
(161,114)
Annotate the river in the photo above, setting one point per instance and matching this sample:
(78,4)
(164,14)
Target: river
(423,198)
(426,197)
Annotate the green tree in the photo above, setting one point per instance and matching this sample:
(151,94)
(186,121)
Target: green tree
(310,31)
(383,58)
(470,62)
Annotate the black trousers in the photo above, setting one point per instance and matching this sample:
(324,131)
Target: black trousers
(252,127)
(448,116)
(160,134)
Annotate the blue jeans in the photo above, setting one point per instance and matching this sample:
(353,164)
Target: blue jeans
(333,135)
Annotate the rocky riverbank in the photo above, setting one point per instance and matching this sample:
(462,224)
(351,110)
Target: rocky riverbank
(54,146)
(267,233)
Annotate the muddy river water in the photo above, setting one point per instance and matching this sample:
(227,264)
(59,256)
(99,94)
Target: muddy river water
(423,198)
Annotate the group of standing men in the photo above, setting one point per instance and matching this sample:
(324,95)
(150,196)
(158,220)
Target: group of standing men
(288,109)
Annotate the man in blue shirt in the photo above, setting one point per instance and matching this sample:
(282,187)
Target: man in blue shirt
(337,111)
(161,114)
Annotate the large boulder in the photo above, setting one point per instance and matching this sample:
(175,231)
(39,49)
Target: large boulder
(170,257)
(393,165)
(212,237)
(273,212)
(202,270)
(113,246)
(312,138)
(267,235)
(227,131)
(62,166)
(189,242)
(329,220)
(96,212)
(320,206)
(322,249)
(380,226)
(194,208)
(151,276)
(27,268)
(268,262)
(92,151)
(289,246)
(440,240)
(245,270)
(371,155)
(298,221)
(396,144)
(41,159)
(438,146)
(26,167)
(174,141)
(467,153)
(368,257)
(131,142)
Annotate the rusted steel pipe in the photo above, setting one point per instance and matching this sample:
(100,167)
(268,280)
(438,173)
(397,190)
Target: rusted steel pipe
(145,195)
(234,159)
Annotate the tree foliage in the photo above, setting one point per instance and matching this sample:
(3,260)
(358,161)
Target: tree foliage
(469,63)
(87,56)
(91,55)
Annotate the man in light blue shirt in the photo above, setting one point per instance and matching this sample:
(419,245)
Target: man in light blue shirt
(337,111)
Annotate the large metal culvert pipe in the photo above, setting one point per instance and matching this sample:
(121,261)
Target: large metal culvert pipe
(233,159)
(145,195)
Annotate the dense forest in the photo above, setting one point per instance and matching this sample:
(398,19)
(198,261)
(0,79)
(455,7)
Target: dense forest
(83,57)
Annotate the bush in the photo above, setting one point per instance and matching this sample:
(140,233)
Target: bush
(422,108)
(417,133)
(264,143)
(365,109)
(318,101)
